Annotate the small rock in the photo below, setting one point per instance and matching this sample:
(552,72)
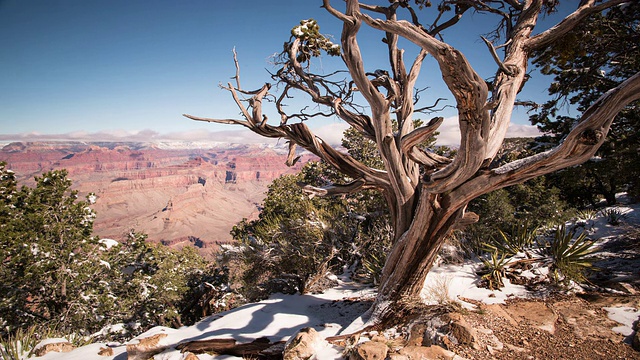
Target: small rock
(379,338)
(636,340)
(53,345)
(431,352)
(105,351)
(370,350)
(460,329)
(303,345)
(190,356)
(417,334)
(515,348)
(446,341)
(397,357)
(146,347)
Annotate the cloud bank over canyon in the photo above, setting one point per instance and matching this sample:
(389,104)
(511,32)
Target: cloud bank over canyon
(330,132)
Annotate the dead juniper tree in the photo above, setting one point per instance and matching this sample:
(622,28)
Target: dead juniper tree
(426,193)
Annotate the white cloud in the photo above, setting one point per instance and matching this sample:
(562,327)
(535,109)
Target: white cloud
(450,132)
(331,133)
(516,130)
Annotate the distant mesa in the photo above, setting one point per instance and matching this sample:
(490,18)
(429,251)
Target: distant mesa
(14,147)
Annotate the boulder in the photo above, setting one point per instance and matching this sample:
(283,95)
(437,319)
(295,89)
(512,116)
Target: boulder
(303,345)
(190,356)
(52,345)
(370,350)
(460,329)
(143,349)
(417,334)
(423,352)
(105,351)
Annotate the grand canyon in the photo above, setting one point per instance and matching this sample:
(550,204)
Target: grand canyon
(177,195)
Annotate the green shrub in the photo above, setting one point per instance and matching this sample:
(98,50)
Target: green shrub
(55,276)
(569,258)
(614,216)
(586,214)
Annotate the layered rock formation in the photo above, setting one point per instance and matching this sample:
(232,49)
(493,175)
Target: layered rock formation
(177,196)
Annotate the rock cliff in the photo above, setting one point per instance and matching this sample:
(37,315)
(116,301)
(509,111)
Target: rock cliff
(177,196)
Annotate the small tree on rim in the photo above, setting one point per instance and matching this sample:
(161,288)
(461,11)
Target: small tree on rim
(427,194)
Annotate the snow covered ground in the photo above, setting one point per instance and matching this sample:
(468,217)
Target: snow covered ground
(330,313)
(277,318)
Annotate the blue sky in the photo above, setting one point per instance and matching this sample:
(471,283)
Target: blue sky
(121,67)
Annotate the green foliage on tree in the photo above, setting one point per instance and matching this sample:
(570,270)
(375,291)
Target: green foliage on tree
(146,283)
(537,202)
(304,236)
(295,237)
(56,275)
(47,251)
(588,61)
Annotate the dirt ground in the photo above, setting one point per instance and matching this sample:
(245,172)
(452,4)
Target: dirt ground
(563,327)
(566,326)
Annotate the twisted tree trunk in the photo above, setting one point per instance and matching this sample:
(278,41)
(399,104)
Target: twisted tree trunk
(426,193)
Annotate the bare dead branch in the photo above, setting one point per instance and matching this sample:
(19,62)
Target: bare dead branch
(335,189)
(217,121)
(235,61)
(431,108)
(291,157)
(587,8)
(495,56)
(430,160)
(579,146)
(420,134)
(437,29)
(344,18)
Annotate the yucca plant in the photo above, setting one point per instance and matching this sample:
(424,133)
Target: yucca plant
(569,258)
(585,218)
(494,270)
(372,266)
(613,215)
(586,214)
(19,345)
(521,237)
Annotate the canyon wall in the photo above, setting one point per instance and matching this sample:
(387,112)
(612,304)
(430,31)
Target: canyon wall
(178,197)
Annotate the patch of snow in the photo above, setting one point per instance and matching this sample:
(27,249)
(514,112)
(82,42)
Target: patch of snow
(49,341)
(276,318)
(522,162)
(108,243)
(624,315)
(463,284)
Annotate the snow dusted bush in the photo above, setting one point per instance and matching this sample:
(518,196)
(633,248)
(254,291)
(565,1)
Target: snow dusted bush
(55,275)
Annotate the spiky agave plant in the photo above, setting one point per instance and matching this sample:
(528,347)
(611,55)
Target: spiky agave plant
(494,270)
(521,237)
(613,215)
(569,258)
(20,344)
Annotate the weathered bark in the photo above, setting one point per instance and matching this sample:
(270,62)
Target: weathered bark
(426,207)
(227,347)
